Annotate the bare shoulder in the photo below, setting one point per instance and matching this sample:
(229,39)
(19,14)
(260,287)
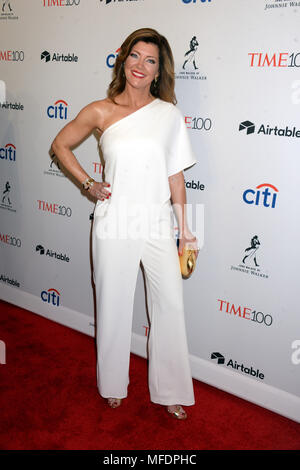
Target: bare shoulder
(96,107)
(103,110)
(101,105)
(96,113)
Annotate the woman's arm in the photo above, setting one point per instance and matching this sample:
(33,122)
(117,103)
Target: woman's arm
(72,134)
(178,197)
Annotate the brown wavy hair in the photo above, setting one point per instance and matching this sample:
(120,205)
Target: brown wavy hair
(165,85)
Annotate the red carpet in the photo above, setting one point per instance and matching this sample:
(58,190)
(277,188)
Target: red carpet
(49,400)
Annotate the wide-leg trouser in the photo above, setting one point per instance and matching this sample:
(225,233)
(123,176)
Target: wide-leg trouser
(116,264)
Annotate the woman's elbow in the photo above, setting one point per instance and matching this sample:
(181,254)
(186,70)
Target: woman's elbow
(53,147)
(56,146)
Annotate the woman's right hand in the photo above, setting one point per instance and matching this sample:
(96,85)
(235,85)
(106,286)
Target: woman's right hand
(100,191)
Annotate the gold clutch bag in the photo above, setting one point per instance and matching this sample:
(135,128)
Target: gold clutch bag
(187,262)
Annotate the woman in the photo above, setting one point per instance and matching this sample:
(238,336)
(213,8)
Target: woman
(145,147)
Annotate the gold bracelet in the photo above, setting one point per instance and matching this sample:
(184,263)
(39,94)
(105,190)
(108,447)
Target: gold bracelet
(88,183)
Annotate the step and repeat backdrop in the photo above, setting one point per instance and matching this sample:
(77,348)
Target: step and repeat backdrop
(237,66)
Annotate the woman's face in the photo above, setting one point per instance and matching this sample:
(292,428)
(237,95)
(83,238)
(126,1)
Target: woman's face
(142,65)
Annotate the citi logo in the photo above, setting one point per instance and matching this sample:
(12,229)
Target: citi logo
(111,59)
(56,57)
(236,366)
(52,254)
(58,111)
(8,153)
(258,197)
(51,296)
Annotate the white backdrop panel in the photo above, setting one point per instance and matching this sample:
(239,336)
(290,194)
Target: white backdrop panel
(245,309)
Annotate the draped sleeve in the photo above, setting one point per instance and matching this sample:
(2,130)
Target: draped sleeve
(181,155)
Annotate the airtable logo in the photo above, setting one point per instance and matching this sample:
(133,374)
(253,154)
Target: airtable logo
(58,111)
(248,126)
(218,356)
(193,185)
(9,280)
(46,56)
(239,367)
(57,57)
(8,153)
(8,105)
(277,131)
(261,198)
(52,254)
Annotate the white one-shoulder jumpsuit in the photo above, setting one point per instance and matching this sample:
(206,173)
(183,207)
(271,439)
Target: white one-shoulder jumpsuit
(141,151)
